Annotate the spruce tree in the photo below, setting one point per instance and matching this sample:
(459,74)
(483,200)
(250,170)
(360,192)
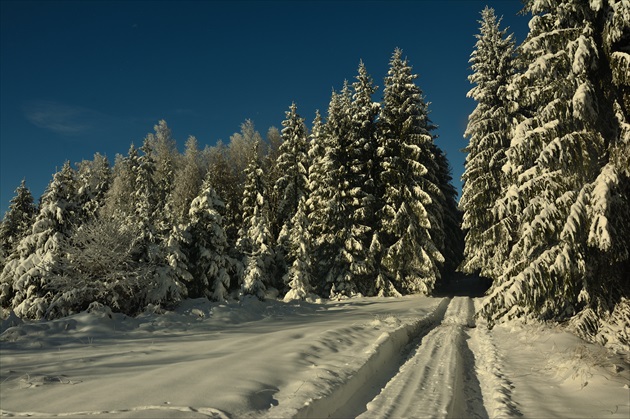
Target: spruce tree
(489,131)
(362,161)
(292,185)
(561,188)
(300,275)
(25,280)
(255,240)
(337,241)
(208,247)
(409,259)
(16,223)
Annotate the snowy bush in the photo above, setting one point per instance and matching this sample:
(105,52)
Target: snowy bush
(101,267)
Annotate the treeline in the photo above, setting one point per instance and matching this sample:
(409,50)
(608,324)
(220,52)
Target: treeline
(546,195)
(360,204)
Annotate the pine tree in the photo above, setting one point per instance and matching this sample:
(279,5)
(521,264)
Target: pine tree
(560,183)
(255,239)
(489,130)
(25,280)
(409,260)
(16,223)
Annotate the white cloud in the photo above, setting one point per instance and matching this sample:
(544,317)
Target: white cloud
(61,118)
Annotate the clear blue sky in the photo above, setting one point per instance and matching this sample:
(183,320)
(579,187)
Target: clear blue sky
(78,78)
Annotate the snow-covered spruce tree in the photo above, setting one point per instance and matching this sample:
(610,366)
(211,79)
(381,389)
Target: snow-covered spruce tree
(317,200)
(255,240)
(616,38)
(560,186)
(17,223)
(165,286)
(292,166)
(119,199)
(336,196)
(300,275)
(409,259)
(606,318)
(207,249)
(489,131)
(24,282)
(362,164)
(271,171)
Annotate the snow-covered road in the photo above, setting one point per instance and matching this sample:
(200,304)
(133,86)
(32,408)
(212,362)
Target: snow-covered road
(367,357)
(438,380)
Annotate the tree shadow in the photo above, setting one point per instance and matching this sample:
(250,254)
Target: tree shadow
(462,285)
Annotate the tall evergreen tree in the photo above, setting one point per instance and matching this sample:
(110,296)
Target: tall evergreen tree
(317,198)
(208,247)
(409,260)
(25,280)
(17,222)
(560,263)
(300,275)
(293,182)
(489,131)
(337,241)
(255,239)
(362,165)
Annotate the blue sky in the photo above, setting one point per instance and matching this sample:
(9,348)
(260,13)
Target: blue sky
(78,78)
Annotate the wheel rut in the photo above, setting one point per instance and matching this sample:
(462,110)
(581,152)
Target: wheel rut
(350,398)
(439,379)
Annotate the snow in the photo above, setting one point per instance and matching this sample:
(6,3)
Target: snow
(371,357)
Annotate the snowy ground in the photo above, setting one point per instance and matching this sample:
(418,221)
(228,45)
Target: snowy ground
(372,358)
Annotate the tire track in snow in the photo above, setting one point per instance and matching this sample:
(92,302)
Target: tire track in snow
(350,398)
(439,379)
(139,412)
(496,387)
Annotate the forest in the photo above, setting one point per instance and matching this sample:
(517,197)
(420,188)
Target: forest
(362,202)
